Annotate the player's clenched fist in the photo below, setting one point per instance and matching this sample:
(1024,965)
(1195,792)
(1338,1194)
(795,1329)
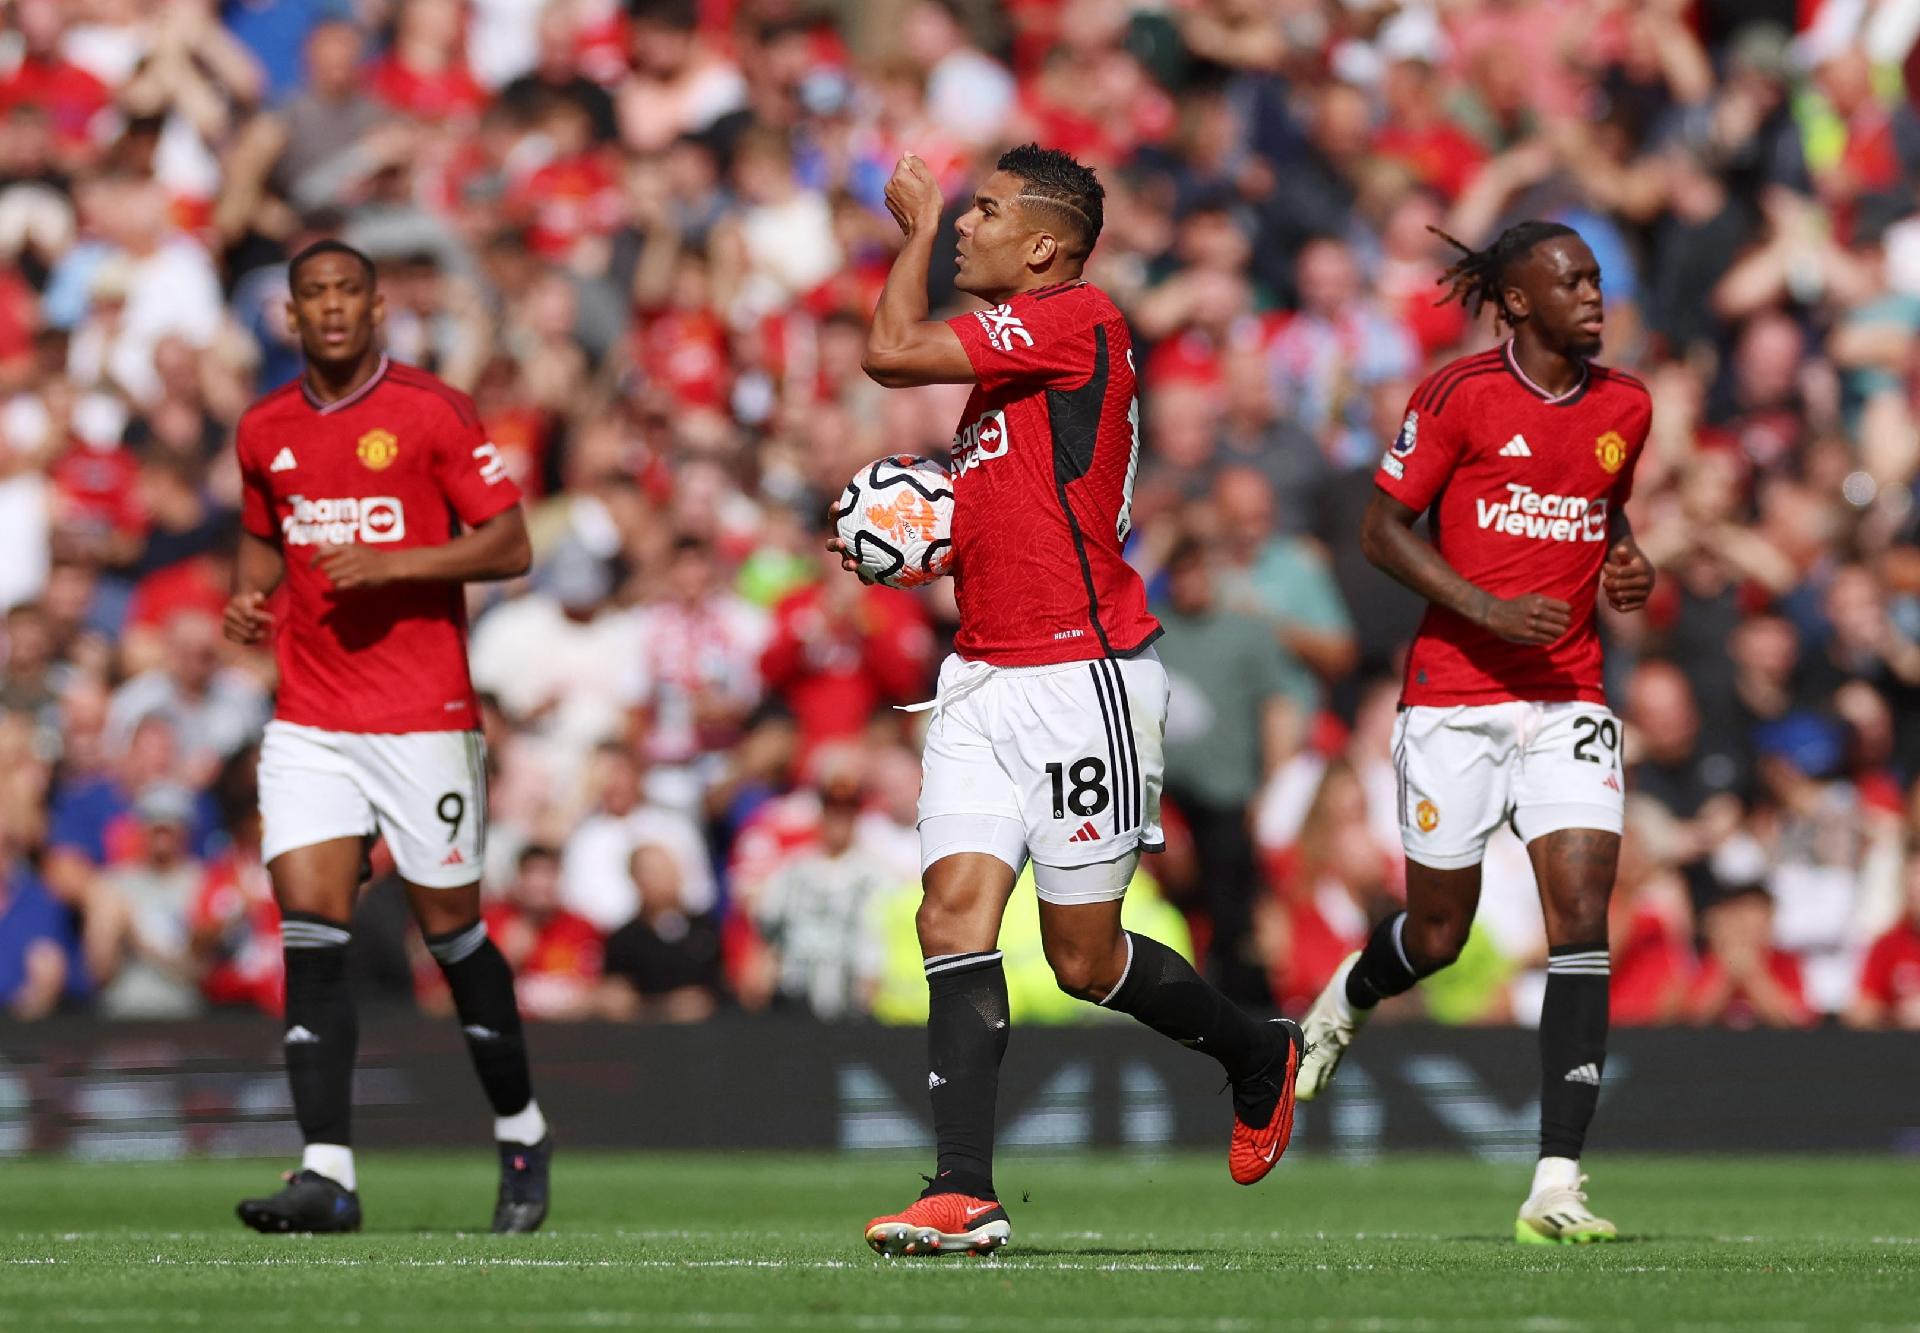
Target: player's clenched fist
(913,196)
(1533,618)
(352,566)
(247,619)
(1627,577)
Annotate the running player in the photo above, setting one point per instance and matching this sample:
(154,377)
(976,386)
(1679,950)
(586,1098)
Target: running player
(1046,733)
(370,490)
(1524,455)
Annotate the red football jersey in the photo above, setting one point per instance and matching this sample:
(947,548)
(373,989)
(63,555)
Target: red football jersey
(402,462)
(1521,487)
(1043,469)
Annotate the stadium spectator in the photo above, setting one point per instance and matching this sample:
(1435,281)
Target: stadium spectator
(664,965)
(1888,995)
(596,865)
(816,914)
(1230,724)
(36,945)
(142,958)
(1744,979)
(1282,579)
(839,652)
(556,955)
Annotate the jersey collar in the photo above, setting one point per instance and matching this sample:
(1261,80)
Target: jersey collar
(1550,399)
(341,404)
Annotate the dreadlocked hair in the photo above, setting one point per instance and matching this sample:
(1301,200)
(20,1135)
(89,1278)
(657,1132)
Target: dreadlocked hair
(1478,277)
(1062,189)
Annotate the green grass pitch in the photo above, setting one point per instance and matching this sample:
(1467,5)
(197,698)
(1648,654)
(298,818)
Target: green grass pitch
(1101,1244)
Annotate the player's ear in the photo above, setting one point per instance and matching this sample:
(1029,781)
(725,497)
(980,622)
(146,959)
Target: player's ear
(1041,252)
(1514,299)
(379,308)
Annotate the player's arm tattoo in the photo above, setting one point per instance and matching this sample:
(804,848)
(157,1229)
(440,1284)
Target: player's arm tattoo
(1389,542)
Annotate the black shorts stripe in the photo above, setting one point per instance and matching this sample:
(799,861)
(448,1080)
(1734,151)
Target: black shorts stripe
(1127,743)
(1113,751)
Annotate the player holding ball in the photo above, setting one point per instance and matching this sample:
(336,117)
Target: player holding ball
(1046,734)
(1524,457)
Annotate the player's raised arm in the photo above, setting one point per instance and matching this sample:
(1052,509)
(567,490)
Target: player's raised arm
(1389,542)
(904,347)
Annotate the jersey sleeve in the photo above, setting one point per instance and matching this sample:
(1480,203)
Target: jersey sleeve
(469,469)
(1024,343)
(1422,456)
(256,500)
(1636,446)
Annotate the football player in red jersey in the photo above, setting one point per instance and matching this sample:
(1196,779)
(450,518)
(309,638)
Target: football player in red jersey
(1523,456)
(1046,733)
(371,495)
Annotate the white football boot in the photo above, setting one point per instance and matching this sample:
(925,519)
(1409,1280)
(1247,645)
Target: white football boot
(1556,1213)
(1329,1026)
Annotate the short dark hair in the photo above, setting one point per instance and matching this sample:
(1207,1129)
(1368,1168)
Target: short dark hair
(1062,189)
(329,246)
(1479,277)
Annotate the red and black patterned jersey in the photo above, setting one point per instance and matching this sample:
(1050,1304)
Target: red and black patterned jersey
(1521,487)
(401,461)
(1043,470)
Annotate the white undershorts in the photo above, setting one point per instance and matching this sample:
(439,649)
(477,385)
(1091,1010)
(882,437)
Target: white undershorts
(1004,838)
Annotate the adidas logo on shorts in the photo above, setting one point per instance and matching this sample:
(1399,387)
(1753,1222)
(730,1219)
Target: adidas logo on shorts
(1086,833)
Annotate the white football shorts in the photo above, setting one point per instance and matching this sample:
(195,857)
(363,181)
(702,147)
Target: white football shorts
(1072,753)
(425,791)
(1464,770)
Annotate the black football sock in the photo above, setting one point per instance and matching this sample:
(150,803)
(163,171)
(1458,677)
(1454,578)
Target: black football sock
(1573,1044)
(482,986)
(1382,970)
(322,1027)
(966,1040)
(1161,989)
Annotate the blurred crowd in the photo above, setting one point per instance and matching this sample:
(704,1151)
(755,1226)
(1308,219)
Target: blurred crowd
(646,236)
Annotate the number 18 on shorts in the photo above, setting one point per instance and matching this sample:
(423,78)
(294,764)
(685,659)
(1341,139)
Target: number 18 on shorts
(1463,771)
(1072,752)
(424,791)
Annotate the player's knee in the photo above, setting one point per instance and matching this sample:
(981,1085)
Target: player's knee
(1085,974)
(1434,942)
(943,923)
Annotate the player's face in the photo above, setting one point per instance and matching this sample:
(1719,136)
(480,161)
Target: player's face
(1557,290)
(995,240)
(335,310)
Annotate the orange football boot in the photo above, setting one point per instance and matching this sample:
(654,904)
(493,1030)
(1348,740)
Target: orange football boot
(942,1224)
(1256,1148)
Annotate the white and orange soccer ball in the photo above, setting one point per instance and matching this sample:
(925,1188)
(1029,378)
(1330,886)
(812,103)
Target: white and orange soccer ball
(896,518)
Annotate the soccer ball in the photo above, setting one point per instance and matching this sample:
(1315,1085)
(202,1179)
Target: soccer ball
(896,518)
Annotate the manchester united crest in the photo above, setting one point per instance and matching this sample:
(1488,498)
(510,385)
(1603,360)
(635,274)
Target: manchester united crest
(378,448)
(1427,816)
(1611,450)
